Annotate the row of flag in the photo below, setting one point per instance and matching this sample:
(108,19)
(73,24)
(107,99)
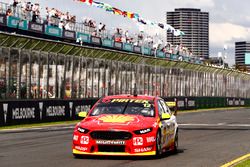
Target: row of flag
(133,16)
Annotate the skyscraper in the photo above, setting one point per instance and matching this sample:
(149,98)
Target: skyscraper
(195,25)
(242,54)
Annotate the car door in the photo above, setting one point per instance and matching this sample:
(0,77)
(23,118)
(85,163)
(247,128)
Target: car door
(170,123)
(164,125)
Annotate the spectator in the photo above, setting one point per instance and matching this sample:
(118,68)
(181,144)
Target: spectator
(9,12)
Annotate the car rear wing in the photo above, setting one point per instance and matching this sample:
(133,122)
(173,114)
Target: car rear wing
(173,106)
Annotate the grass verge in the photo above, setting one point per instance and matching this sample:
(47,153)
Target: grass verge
(245,163)
(39,125)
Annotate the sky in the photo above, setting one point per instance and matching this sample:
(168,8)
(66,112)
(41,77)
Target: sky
(229,19)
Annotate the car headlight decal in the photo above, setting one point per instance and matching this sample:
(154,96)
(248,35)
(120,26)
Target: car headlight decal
(143,131)
(82,130)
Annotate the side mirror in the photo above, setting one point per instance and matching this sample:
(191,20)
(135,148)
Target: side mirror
(165,116)
(83,114)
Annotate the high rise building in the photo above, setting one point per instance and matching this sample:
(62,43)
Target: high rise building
(195,25)
(242,54)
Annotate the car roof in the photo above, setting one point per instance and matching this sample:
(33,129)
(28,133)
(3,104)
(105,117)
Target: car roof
(144,97)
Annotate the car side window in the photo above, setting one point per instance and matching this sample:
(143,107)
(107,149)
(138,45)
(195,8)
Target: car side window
(165,107)
(160,108)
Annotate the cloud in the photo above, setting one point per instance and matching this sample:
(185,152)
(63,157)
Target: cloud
(227,33)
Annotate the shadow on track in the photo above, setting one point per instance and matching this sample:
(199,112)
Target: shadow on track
(165,155)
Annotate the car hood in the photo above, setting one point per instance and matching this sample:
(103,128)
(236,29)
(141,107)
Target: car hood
(117,122)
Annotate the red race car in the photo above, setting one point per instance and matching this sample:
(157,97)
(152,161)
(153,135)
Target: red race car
(126,125)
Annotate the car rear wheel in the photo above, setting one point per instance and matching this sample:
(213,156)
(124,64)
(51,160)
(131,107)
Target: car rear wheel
(158,144)
(176,143)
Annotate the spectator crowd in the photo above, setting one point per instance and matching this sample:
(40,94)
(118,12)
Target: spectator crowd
(64,20)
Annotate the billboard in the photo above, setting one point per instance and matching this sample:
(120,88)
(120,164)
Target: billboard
(247,58)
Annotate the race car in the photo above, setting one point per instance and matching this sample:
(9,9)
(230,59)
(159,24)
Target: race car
(126,125)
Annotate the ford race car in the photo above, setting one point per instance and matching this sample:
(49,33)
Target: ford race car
(125,125)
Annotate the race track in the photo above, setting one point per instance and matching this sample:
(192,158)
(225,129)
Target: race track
(206,139)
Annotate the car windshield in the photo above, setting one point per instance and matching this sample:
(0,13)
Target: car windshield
(124,106)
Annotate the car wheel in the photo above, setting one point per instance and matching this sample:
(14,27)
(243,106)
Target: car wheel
(158,144)
(176,143)
(77,156)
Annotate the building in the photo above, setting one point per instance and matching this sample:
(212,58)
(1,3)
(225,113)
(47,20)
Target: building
(242,55)
(195,25)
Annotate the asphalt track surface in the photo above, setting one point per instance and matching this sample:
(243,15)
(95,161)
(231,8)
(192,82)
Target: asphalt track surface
(206,139)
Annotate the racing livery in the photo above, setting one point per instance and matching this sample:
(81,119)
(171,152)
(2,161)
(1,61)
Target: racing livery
(125,125)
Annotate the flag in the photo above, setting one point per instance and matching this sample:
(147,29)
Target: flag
(125,14)
(98,4)
(130,15)
(117,11)
(178,33)
(88,2)
(161,25)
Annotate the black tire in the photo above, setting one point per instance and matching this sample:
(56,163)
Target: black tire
(158,144)
(176,143)
(77,156)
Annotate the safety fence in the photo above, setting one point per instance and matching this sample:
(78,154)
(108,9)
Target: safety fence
(38,111)
(32,68)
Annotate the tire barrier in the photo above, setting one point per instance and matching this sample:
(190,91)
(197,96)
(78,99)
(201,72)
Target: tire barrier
(38,111)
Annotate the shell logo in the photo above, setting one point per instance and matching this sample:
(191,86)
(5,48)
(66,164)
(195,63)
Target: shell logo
(116,119)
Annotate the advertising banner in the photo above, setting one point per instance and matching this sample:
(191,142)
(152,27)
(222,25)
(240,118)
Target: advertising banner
(69,34)
(2,19)
(118,45)
(36,27)
(160,54)
(15,22)
(53,31)
(146,51)
(96,40)
(127,47)
(20,112)
(83,37)
(107,42)
(137,49)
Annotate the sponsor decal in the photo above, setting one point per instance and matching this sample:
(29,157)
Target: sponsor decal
(150,139)
(230,102)
(236,102)
(82,108)
(54,31)
(84,140)
(41,110)
(5,110)
(69,34)
(53,111)
(80,148)
(144,149)
(110,142)
(191,103)
(242,103)
(137,141)
(75,137)
(36,27)
(116,119)
(181,103)
(145,131)
(106,100)
(129,100)
(23,113)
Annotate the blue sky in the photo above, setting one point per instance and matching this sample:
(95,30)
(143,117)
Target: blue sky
(229,19)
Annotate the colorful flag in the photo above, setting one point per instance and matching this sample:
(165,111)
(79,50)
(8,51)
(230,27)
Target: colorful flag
(130,15)
(98,4)
(88,2)
(117,11)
